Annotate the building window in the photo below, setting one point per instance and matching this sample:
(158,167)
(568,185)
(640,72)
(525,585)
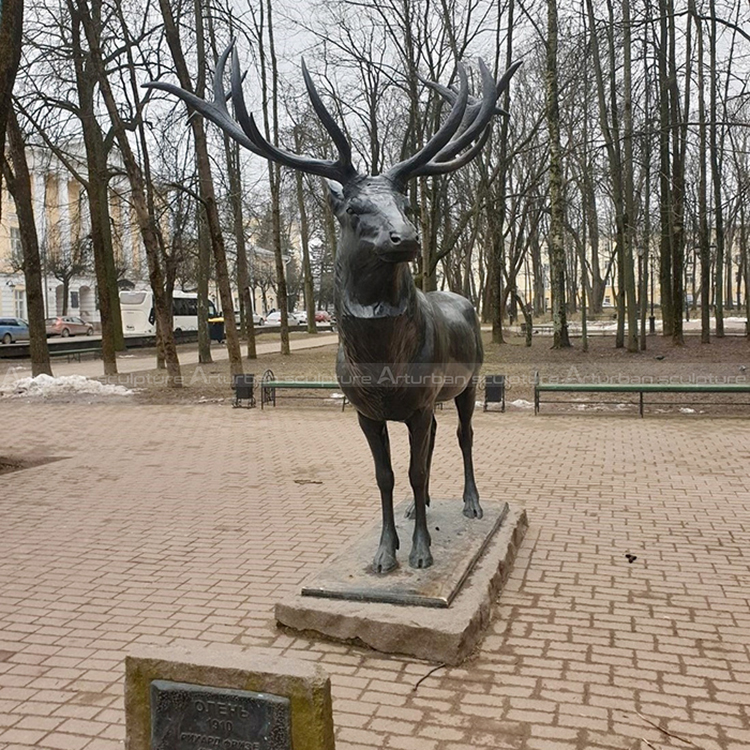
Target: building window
(74,299)
(16,248)
(19,298)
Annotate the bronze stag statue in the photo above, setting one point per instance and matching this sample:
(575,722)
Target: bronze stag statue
(400,351)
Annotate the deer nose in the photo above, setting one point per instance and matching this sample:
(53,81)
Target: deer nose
(405,239)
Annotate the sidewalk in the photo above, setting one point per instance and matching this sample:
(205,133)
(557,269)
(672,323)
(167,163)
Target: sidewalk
(183,525)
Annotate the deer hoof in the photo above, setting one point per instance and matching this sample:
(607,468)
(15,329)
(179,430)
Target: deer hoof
(472,508)
(420,557)
(384,562)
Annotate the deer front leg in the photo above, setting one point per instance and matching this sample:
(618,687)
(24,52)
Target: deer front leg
(420,428)
(410,510)
(377,437)
(465,404)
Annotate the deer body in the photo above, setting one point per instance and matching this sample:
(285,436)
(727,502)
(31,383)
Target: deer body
(436,352)
(401,351)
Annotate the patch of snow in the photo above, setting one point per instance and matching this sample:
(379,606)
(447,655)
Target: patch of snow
(520,403)
(336,394)
(590,406)
(44,386)
(687,410)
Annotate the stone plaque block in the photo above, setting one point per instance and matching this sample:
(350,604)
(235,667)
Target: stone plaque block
(225,698)
(188,717)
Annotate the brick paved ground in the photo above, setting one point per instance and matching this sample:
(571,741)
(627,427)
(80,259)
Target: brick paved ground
(183,525)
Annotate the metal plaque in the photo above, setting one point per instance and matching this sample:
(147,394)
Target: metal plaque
(192,717)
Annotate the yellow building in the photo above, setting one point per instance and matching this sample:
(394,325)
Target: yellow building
(62,224)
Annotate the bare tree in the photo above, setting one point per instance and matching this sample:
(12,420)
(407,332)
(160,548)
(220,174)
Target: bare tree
(557,219)
(18,178)
(208,194)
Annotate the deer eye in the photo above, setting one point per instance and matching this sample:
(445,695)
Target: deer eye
(355,208)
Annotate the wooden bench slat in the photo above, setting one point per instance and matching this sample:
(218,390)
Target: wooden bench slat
(300,384)
(640,388)
(646,387)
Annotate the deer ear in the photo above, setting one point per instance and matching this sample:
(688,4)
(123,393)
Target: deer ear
(336,197)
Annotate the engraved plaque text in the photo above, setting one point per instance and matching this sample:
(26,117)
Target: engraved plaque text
(193,717)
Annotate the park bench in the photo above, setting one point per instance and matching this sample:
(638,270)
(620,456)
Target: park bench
(637,388)
(269,385)
(76,354)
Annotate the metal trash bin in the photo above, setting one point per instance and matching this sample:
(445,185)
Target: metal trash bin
(216,329)
(494,391)
(244,390)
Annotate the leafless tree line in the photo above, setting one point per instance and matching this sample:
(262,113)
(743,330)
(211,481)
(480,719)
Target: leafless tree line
(625,156)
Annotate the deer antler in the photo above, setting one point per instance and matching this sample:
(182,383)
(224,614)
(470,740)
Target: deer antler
(476,117)
(450,94)
(248,134)
(401,172)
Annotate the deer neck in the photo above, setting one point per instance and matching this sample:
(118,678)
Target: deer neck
(369,288)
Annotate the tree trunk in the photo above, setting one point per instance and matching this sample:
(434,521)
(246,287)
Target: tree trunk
(716,177)
(679,146)
(629,202)
(703,231)
(645,254)
(665,171)
(204,274)
(96,191)
(11,31)
(232,154)
(18,180)
(247,324)
(537,268)
(584,309)
(497,291)
(305,235)
(620,296)
(557,220)
(746,267)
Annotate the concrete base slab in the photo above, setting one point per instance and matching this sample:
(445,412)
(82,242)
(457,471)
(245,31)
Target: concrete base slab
(441,635)
(457,543)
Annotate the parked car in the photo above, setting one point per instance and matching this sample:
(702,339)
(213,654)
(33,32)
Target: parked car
(68,325)
(258,319)
(274,319)
(13,329)
(301,316)
(322,316)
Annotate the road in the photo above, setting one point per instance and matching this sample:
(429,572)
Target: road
(128,362)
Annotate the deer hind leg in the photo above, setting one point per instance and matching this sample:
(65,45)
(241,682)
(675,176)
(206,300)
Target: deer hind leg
(420,429)
(377,437)
(410,510)
(465,404)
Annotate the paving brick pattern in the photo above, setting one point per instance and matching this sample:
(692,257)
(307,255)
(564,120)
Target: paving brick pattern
(184,525)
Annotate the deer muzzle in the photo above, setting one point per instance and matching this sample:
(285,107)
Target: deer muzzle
(399,246)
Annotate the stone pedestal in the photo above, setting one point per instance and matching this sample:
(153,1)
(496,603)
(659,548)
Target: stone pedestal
(441,632)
